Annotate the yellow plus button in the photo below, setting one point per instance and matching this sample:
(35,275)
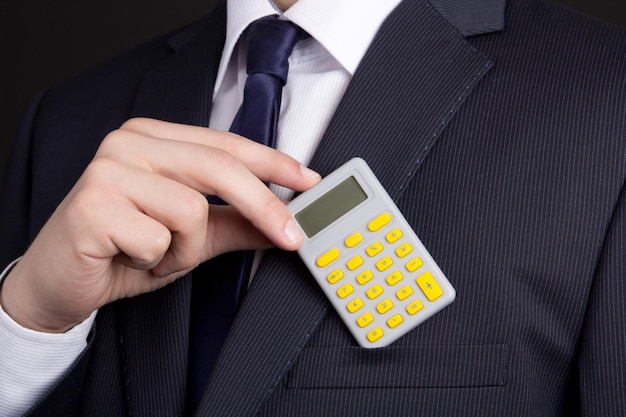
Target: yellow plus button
(429,286)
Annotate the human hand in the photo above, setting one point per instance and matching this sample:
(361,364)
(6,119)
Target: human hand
(137,219)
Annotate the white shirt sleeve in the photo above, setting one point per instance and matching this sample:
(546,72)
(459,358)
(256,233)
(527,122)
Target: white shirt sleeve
(31,362)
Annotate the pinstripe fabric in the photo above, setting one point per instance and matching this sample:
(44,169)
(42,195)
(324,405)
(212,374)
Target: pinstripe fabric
(400,367)
(486,14)
(506,152)
(148,330)
(271,334)
(608,324)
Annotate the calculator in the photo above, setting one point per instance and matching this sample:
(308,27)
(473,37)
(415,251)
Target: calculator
(369,262)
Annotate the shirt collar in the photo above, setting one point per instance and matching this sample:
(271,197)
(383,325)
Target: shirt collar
(345,28)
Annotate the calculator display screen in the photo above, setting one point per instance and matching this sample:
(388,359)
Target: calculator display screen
(331,206)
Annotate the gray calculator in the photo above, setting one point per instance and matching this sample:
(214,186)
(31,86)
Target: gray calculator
(366,258)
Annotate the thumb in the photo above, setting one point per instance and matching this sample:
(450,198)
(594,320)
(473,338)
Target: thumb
(227,231)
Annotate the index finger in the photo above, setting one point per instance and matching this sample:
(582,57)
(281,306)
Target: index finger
(266,163)
(211,170)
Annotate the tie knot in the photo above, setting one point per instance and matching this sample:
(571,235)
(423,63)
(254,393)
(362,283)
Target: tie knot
(270,42)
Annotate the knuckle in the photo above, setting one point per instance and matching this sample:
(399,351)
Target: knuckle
(154,247)
(221,160)
(132,123)
(221,165)
(140,124)
(97,177)
(229,143)
(112,143)
(93,192)
(195,208)
(100,167)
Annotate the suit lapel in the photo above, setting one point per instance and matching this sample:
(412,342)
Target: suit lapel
(404,93)
(181,89)
(282,308)
(391,115)
(154,328)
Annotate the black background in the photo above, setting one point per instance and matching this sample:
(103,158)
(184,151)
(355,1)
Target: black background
(46,42)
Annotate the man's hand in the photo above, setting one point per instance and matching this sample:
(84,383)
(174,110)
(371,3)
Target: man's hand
(138,219)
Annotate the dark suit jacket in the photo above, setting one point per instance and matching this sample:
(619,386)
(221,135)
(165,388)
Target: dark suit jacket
(500,133)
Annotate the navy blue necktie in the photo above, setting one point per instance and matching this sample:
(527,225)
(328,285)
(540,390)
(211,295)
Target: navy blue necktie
(270,42)
(218,285)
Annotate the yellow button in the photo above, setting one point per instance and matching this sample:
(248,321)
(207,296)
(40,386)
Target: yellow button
(327,258)
(394,235)
(384,263)
(374,249)
(394,321)
(364,277)
(404,250)
(355,305)
(375,334)
(394,278)
(353,240)
(379,222)
(414,264)
(335,276)
(384,306)
(374,292)
(414,307)
(354,263)
(429,286)
(345,291)
(404,293)
(365,319)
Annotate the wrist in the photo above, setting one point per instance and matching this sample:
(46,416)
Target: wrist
(19,304)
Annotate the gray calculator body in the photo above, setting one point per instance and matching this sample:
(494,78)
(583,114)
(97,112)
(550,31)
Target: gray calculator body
(371,265)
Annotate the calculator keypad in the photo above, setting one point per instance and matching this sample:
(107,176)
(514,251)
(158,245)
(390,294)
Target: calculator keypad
(380,278)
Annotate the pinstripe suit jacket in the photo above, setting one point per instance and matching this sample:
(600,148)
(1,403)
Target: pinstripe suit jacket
(500,133)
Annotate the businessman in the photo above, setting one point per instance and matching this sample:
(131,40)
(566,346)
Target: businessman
(498,129)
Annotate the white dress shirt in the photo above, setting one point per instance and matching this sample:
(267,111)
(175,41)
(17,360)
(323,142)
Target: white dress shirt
(321,68)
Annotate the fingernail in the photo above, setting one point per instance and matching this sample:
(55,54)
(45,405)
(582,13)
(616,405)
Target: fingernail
(307,172)
(292,232)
